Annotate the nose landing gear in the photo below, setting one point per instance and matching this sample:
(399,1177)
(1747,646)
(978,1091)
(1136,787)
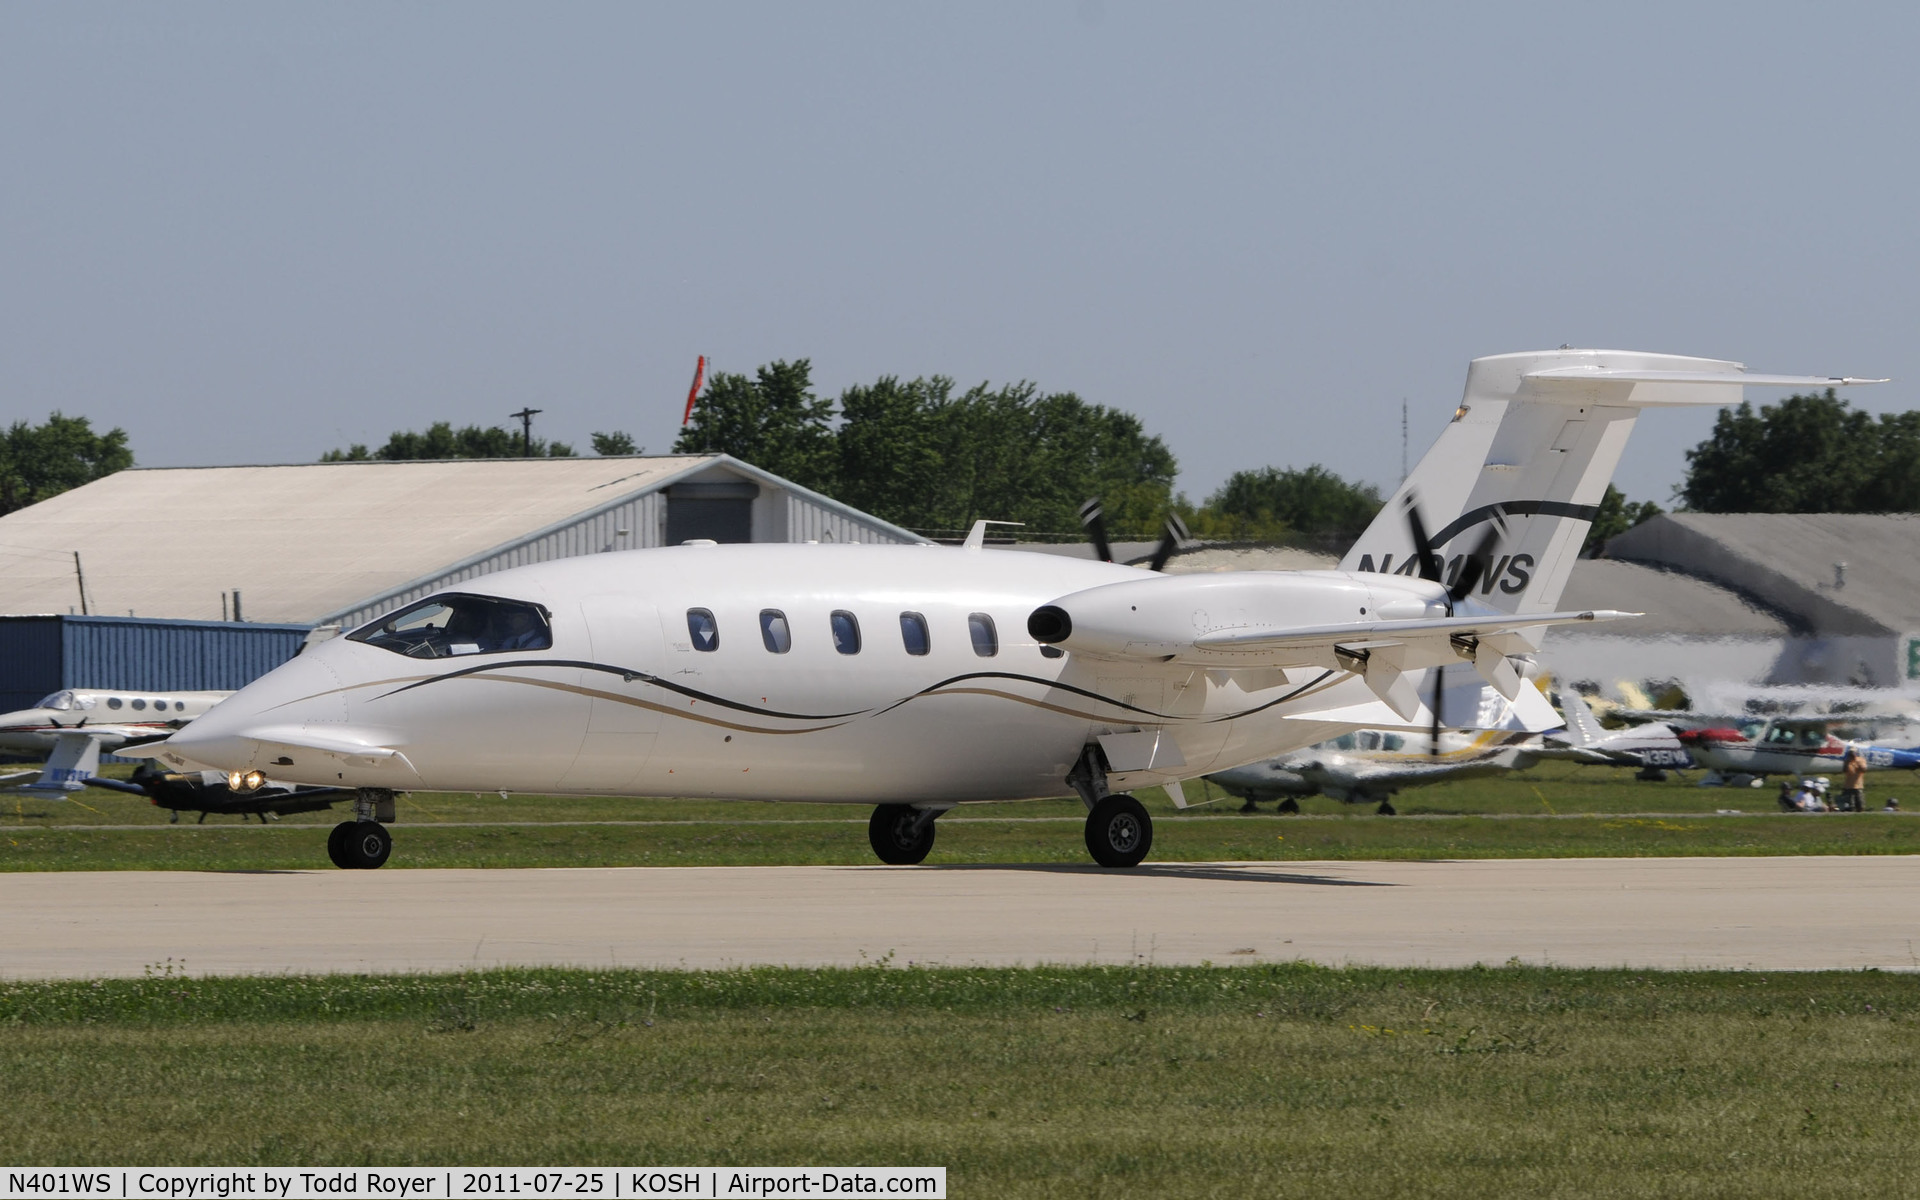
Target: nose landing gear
(900,834)
(363,843)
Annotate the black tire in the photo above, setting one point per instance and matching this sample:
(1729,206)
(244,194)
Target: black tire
(1119,832)
(1387,809)
(368,845)
(891,834)
(1289,805)
(337,844)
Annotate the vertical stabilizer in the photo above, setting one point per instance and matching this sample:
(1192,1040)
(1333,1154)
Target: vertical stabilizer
(75,759)
(1582,729)
(1531,450)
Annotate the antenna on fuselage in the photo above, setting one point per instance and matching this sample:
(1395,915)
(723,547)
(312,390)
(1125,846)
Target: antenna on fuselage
(977,536)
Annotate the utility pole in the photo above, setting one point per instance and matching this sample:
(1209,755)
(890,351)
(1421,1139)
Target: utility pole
(82,581)
(525,416)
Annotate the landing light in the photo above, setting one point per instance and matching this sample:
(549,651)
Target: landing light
(238,782)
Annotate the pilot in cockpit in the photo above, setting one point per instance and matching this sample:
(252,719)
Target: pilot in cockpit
(516,629)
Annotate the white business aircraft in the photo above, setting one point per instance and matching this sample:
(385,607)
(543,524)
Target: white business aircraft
(915,678)
(72,727)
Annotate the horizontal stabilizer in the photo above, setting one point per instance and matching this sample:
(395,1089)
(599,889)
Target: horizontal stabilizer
(1639,375)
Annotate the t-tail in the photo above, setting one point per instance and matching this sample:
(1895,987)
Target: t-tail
(1531,450)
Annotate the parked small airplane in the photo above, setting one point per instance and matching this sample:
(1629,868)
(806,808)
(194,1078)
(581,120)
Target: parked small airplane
(73,727)
(1788,746)
(916,678)
(1371,765)
(1653,748)
(117,716)
(233,794)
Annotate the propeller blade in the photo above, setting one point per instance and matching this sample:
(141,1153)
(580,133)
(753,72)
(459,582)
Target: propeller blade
(1094,518)
(1476,564)
(1429,569)
(1175,536)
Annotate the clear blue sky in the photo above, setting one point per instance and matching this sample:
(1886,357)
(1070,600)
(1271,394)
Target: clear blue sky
(250,233)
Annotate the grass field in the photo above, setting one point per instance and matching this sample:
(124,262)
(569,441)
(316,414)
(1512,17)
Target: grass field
(1274,1080)
(1555,810)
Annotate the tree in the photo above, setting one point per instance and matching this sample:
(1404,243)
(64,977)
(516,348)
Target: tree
(1270,503)
(1615,517)
(442,440)
(1804,454)
(38,461)
(920,456)
(773,421)
(914,453)
(891,449)
(609,445)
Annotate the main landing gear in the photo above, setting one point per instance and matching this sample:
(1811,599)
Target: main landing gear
(363,843)
(901,834)
(1119,831)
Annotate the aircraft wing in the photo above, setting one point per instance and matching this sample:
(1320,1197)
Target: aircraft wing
(1370,634)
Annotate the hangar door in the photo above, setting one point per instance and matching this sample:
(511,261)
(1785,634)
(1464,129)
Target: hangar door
(722,512)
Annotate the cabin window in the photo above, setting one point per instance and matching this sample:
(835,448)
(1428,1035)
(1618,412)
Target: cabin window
(986,640)
(913,632)
(846,632)
(113,702)
(1392,741)
(774,631)
(1369,740)
(139,705)
(702,628)
(450,625)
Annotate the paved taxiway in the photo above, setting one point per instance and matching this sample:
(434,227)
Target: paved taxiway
(1770,913)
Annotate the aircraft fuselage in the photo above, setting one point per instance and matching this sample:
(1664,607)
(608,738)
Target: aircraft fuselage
(789,672)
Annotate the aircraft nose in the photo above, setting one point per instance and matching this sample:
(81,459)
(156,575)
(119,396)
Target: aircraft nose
(301,690)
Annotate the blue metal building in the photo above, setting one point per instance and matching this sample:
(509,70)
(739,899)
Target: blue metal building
(43,654)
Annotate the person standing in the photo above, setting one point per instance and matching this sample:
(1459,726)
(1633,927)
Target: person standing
(1853,769)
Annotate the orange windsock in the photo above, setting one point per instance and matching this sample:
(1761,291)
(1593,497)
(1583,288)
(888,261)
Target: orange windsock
(693,393)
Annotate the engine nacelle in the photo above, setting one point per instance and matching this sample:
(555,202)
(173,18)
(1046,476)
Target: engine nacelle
(1157,618)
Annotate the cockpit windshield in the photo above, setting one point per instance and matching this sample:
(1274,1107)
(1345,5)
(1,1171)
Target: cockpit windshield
(452,625)
(58,702)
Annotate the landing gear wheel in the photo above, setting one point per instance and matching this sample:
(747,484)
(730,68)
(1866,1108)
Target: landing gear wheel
(337,844)
(891,833)
(1387,809)
(362,845)
(1289,805)
(1119,832)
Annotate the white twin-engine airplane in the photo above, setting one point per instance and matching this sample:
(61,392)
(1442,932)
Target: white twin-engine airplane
(916,678)
(73,726)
